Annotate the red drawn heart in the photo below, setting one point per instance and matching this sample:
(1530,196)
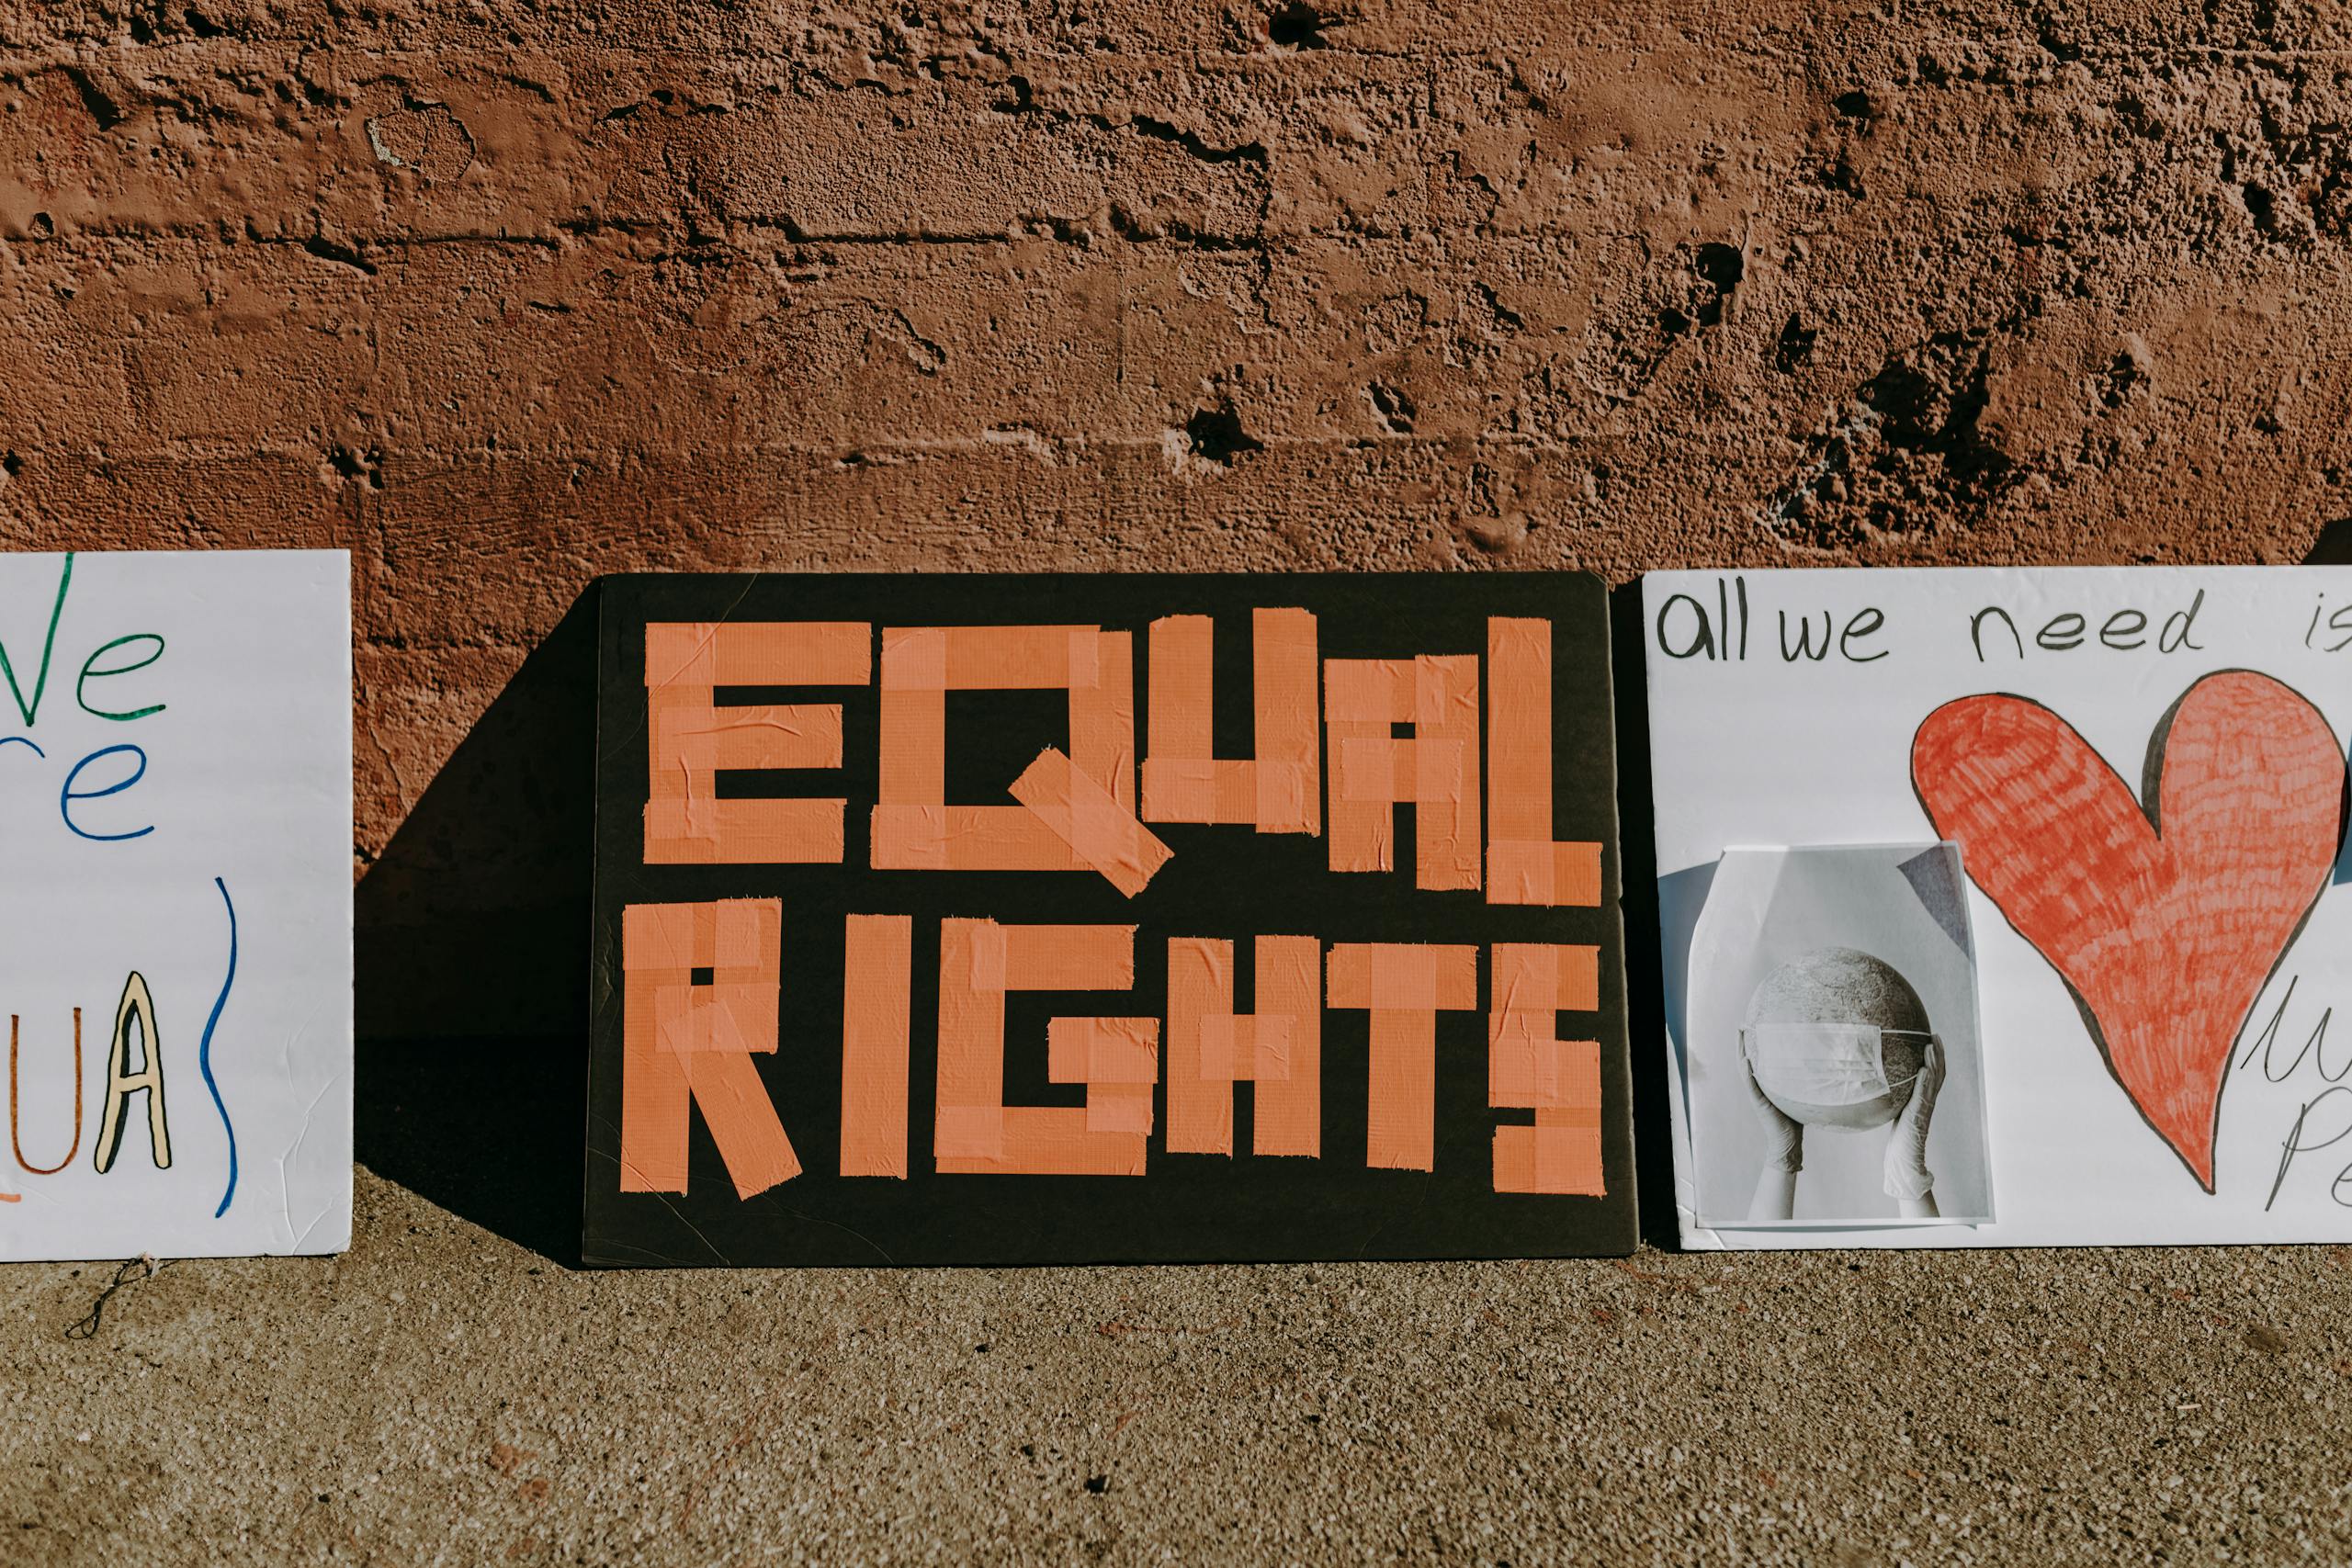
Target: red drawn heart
(2166,923)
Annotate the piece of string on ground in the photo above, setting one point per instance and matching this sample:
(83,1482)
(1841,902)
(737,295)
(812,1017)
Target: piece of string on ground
(87,1328)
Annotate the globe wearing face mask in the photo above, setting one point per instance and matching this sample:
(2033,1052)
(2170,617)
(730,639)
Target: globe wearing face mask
(1836,1039)
(1839,1038)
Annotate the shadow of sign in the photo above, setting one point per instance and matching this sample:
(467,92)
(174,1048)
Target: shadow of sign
(1646,990)
(472,1005)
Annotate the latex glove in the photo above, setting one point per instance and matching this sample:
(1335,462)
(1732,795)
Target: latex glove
(1907,1176)
(1783,1134)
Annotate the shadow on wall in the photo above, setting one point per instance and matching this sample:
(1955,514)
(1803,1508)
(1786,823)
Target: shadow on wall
(2333,547)
(472,995)
(1637,864)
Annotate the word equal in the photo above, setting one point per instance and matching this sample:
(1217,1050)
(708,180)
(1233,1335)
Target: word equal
(1079,811)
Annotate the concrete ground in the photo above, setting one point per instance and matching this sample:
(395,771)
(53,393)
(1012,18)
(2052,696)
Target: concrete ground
(441,1396)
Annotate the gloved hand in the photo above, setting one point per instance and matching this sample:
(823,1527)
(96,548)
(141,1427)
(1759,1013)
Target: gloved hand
(1783,1134)
(1907,1176)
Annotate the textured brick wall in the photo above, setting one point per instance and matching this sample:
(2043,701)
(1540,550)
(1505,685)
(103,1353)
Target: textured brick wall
(504,294)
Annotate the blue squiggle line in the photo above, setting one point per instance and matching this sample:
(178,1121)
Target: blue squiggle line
(204,1048)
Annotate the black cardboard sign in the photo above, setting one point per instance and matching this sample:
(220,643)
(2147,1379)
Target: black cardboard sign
(1016,919)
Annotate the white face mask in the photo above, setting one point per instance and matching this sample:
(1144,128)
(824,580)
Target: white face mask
(1848,1075)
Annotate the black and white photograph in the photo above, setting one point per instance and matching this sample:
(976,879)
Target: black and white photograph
(1833,1067)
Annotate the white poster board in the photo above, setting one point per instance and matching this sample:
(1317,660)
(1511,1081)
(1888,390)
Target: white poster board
(2143,771)
(176,750)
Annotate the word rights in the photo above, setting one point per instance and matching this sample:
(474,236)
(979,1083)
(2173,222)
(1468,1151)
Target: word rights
(1006,920)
